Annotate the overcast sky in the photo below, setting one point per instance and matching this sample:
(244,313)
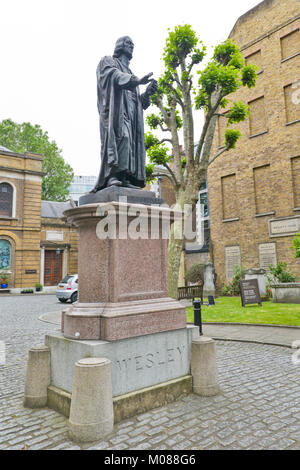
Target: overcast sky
(50,50)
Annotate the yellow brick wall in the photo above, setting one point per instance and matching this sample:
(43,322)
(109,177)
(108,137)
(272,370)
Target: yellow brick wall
(266,166)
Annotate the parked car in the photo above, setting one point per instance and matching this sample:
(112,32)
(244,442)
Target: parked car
(67,289)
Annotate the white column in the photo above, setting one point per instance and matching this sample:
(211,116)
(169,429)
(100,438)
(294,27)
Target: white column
(65,262)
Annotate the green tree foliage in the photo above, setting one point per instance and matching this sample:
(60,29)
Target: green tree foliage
(183,89)
(296,245)
(26,137)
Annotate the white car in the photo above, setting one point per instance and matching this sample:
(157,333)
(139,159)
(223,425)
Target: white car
(67,289)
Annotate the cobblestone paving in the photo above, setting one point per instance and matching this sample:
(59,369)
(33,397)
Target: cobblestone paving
(259,407)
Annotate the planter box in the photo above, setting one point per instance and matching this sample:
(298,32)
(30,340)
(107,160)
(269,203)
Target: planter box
(4,286)
(286,293)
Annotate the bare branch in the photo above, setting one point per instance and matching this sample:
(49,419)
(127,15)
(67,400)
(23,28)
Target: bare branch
(171,173)
(176,77)
(208,118)
(223,149)
(164,129)
(221,115)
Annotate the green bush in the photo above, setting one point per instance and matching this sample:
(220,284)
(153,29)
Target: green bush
(232,287)
(194,274)
(227,289)
(279,273)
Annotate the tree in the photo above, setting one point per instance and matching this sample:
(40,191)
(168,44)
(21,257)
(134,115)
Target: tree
(296,245)
(26,137)
(179,95)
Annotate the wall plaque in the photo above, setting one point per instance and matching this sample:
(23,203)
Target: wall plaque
(267,255)
(284,227)
(232,259)
(52,235)
(250,292)
(30,271)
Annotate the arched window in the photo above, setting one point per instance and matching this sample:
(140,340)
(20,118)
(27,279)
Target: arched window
(5,254)
(6,200)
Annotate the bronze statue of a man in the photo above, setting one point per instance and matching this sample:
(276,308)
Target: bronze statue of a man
(120,107)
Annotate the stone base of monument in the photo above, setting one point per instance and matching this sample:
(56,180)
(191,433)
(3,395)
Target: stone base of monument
(124,313)
(115,321)
(147,371)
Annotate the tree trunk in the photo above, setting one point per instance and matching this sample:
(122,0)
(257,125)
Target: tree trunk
(176,240)
(175,248)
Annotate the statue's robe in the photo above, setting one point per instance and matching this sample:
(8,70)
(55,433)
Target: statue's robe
(120,107)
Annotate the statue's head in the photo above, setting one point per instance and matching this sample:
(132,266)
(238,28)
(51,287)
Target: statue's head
(124,45)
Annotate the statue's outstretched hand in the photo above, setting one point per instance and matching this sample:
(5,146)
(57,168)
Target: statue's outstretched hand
(145,79)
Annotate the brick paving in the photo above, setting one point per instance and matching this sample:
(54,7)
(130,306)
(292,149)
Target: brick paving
(259,407)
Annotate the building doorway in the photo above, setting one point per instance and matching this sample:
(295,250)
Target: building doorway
(53,267)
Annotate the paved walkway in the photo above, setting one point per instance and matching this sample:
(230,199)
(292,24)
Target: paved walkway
(259,407)
(274,335)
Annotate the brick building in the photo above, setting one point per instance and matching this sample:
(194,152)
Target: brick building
(254,190)
(36,245)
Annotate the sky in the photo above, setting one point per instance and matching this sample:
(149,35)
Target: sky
(50,50)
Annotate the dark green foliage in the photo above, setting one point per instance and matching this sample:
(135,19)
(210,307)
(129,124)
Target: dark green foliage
(279,273)
(238,112)
(150,140)
(159,154)
(195,274)
(232,287)
(231,138)
(150,170)
(154,121)
(180,42)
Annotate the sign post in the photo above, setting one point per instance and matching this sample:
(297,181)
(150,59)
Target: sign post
(250,292)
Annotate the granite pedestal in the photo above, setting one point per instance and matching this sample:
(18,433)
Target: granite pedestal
(123,279)
(124,312)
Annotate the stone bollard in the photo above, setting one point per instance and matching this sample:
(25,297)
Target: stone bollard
(91,414)
(37,377)
(204,367)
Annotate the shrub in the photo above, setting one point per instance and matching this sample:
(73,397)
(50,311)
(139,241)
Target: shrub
(279,273)
(232,287)
(227,289)
(195,274)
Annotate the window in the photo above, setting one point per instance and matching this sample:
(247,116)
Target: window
(5,254)
(258,122)
(229,197)
(290,44)
(6,200)
(291,96)
(255,59)
(263,190)
(296,180)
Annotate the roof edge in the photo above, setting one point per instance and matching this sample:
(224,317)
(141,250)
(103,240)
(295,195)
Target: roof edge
(257,7)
